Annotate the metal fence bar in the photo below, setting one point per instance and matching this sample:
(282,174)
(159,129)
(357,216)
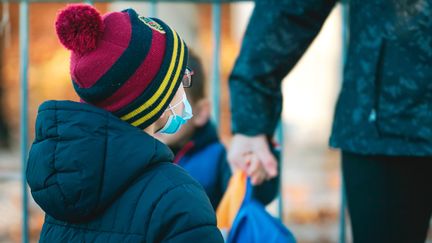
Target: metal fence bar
(215,74)
(23,41)
(280,138)
(342,214)
(153,8)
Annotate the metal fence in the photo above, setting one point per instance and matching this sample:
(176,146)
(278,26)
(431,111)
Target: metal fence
(215,87)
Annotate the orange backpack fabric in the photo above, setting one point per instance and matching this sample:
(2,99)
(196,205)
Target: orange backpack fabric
(231,201)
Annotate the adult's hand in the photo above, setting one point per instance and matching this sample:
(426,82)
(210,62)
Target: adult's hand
(252,155)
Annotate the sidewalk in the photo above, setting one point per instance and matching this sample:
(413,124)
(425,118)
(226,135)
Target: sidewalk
(10,201)
(310,196)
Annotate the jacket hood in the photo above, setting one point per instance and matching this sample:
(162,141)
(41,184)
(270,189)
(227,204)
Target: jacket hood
(83,157)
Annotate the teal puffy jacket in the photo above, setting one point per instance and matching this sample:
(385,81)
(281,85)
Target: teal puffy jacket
(100,179)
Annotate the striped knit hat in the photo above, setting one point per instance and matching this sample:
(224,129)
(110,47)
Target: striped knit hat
(121,62)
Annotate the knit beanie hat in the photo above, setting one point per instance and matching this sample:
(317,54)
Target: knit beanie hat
(121,62)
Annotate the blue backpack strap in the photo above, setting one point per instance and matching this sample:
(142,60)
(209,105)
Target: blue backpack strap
(249,191)
(253,224)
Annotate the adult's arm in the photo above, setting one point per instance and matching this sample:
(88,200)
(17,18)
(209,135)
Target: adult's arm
(278,34)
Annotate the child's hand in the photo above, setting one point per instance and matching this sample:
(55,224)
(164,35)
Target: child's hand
(255,170)
(261,162)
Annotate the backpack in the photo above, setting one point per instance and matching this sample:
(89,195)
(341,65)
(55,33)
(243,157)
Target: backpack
(252,223)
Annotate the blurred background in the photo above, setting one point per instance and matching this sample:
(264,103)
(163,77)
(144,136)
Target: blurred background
(311,183)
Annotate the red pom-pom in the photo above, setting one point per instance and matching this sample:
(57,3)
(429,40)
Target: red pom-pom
(79,27)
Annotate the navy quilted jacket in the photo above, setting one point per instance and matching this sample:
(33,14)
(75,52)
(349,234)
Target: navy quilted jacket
(385,104)
(101,180)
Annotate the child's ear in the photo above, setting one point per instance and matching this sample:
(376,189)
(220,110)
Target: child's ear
(201,112)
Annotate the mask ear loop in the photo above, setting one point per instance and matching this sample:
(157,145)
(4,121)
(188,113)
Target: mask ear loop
(171,107)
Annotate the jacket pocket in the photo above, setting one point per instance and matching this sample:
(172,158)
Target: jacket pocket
(403,94)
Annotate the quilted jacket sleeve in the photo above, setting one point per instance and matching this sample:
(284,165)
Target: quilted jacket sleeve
(184,214)
(278,34)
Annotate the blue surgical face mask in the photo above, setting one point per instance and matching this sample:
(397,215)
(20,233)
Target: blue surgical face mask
(175,121)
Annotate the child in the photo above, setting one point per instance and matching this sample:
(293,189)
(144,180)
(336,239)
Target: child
(91,168)
(197,147)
